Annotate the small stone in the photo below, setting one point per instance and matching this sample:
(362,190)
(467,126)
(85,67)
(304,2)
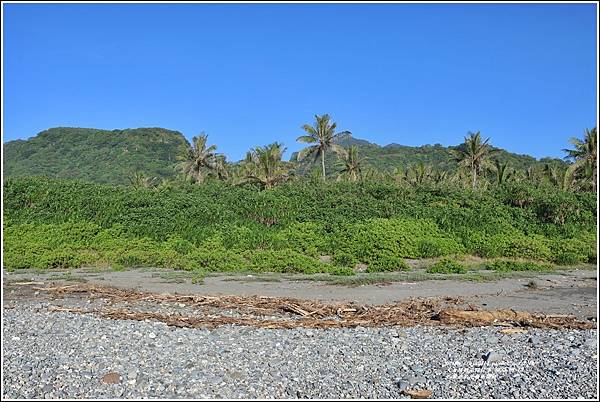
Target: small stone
(417,369)
(403,384)
(111,378)
(417,380)
(151,335)
(492,357)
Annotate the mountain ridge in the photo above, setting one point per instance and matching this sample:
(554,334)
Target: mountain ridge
(112,156)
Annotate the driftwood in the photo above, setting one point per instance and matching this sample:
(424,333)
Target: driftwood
(273,312)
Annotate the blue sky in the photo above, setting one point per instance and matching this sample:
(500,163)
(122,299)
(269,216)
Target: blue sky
(524,75)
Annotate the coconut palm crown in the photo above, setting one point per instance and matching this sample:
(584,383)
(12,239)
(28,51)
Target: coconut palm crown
(323,137)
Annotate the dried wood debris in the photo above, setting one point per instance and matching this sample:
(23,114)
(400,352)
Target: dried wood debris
(275,312)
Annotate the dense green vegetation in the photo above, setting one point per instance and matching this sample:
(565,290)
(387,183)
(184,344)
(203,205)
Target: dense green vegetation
(218,226)
(447,266)
(147,156)
(100,156)
(172,204)
(401,159)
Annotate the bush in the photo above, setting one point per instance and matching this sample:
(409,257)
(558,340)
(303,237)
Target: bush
(215,226)
(566,259)
(513,244)
(285,261)
(510,265)
(579,249)
(383,242)
(344,259)
(386,262)
(342,271)
(447,266)
(307,238)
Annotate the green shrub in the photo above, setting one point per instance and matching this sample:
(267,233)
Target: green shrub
(510,265)
(307,238)
(513,244)
(342,271)
(286,261)
(566,259)
(383,243)
(578,249)
(216,226)
(447,266)
(344,259)
(386,262)
(217,260)
(533,247)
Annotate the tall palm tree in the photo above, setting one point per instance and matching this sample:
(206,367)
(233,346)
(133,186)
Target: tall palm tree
(502,172)
(473,155)
(264,166)
(199,159)
(323,137)
(585,155)
(352,164)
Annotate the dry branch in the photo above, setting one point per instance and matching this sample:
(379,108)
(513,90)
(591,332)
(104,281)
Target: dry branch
(273,312)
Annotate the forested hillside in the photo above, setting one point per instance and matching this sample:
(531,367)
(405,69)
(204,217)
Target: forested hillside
(401,157)
(118,156)
(100,156)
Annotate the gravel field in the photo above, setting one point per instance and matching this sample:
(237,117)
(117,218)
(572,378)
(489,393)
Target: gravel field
(64,355)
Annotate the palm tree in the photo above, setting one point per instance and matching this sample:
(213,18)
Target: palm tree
(140,180)
(502,171)
(322,134)
(563,179)
(585,155)
(352,164)
(420,173)
(439,176)
(199,159)
(473,155)
(220,168)
(264,166)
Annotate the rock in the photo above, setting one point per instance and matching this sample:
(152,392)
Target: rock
(151,335)
(403,384)
(492,357)
(418,394)
(111,378)
(534,340)
(417,380)
(417,369)
(511,331)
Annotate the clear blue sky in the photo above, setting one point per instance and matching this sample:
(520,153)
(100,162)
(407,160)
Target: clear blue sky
(525,75)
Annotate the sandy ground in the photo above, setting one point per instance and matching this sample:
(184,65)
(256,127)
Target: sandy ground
(566,292)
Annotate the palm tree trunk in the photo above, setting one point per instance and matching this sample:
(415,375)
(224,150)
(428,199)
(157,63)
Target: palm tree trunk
(474,178)
(323,164)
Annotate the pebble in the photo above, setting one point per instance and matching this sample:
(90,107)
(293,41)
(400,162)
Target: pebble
(234,362)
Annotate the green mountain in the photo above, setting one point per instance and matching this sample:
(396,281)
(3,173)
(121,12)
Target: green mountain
(100,156)
(104,156)
(395,155)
